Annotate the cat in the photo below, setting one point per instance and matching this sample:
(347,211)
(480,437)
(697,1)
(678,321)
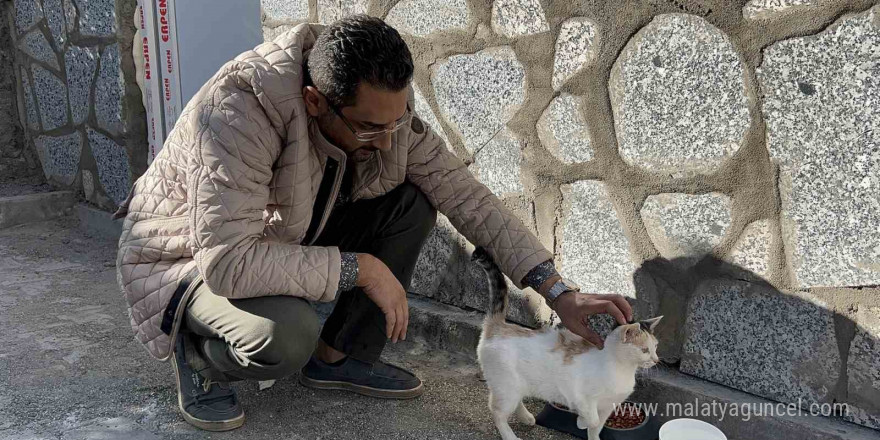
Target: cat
(555,364)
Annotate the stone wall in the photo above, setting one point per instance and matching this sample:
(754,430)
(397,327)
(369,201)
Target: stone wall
(716,161)
(82,109)
(17,163)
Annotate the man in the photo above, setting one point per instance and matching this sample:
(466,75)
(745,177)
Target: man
(299,172)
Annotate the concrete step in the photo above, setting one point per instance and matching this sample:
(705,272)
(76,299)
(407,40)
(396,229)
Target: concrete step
(449,328)
(28,208)
(97,222)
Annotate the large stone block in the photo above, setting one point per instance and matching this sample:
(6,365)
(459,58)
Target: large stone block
(478,93)
(113,169)
(497,164)
(409,16)
(678,96)
(56,17)
(60,156)
(30,105)
(97,17)
(685,225)
(286,10)
(27,14)
(863,369)
(80,63)
(759,340)
(37,47)
(109,89)
(575,48)
(595,249)
(563,130)
(434,260)
(470,287)
(767,9)
(52,98)
(423,110)
(331,10)
(752,250)
(515,18)
(444,272)
(823,129)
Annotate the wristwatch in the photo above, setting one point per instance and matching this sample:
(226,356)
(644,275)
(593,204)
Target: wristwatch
(558,288)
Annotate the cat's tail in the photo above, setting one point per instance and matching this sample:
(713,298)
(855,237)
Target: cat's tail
(497,285)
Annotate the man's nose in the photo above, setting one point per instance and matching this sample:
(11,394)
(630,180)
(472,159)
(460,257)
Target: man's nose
(382,142)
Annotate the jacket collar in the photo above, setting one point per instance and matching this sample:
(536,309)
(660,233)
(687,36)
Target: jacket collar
(323,145)
(365,173)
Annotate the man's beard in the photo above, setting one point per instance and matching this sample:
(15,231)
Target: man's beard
(363,154)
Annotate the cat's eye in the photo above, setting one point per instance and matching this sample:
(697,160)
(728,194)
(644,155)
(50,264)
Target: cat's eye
(644,350)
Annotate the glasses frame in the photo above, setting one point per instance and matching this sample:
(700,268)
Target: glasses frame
(373,135)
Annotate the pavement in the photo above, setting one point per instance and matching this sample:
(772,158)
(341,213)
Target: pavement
(71,369)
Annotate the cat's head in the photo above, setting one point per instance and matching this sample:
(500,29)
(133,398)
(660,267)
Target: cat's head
(636,342)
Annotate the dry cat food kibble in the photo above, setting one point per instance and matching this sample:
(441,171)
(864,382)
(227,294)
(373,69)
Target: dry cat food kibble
(626,416)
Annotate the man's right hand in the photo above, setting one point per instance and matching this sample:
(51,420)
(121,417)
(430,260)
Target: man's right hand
(382,287)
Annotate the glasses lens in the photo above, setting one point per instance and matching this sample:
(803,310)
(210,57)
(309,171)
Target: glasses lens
(373,135)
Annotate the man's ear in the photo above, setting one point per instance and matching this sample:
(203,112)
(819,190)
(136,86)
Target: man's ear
(316,102)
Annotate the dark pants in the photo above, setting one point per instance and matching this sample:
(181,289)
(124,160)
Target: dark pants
(272,337)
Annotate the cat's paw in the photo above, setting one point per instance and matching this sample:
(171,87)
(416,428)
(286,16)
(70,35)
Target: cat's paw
(584,422)
(526,419)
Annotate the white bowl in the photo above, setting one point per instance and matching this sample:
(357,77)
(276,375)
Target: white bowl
(690,429)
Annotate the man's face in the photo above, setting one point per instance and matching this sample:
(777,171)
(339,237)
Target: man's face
(374,110)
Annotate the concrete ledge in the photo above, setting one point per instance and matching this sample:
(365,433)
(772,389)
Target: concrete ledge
(96,222)
(449,328)
(669,387)
(37,207)
(444,327)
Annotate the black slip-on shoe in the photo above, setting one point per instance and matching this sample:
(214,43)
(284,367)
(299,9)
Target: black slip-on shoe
(379,379)
(204,403)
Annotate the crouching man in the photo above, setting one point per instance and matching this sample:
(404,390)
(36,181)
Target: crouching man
(299,173)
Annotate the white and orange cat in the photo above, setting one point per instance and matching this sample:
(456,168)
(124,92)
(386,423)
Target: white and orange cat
(555,364)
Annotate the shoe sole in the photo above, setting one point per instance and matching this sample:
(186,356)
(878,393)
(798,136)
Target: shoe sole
(362,389)
(207,425)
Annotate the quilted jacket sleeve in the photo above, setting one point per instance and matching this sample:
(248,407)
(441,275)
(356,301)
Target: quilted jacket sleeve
(471,207)
(232,165)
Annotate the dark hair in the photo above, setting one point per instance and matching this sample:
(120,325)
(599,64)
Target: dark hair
(354,49)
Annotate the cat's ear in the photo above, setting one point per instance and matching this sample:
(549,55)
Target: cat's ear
(631,332)
(649,324)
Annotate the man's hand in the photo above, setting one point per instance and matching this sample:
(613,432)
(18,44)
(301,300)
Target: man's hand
(574,309)
(382,287)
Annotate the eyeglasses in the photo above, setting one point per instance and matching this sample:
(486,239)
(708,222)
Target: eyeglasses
(367,136)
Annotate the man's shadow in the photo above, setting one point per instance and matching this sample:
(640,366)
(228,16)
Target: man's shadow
(728,325)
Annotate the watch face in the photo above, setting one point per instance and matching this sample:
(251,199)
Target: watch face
(558,288)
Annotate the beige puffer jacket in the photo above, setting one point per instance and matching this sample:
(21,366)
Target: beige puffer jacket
(229,198)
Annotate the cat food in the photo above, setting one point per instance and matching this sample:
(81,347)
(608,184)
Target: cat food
(626,416)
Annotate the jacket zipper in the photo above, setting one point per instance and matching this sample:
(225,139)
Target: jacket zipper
(337,182)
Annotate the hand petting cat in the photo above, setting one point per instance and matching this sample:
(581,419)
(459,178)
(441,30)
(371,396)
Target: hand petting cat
(574,309)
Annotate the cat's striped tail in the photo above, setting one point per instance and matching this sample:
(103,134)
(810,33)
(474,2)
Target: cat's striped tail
(497,285)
